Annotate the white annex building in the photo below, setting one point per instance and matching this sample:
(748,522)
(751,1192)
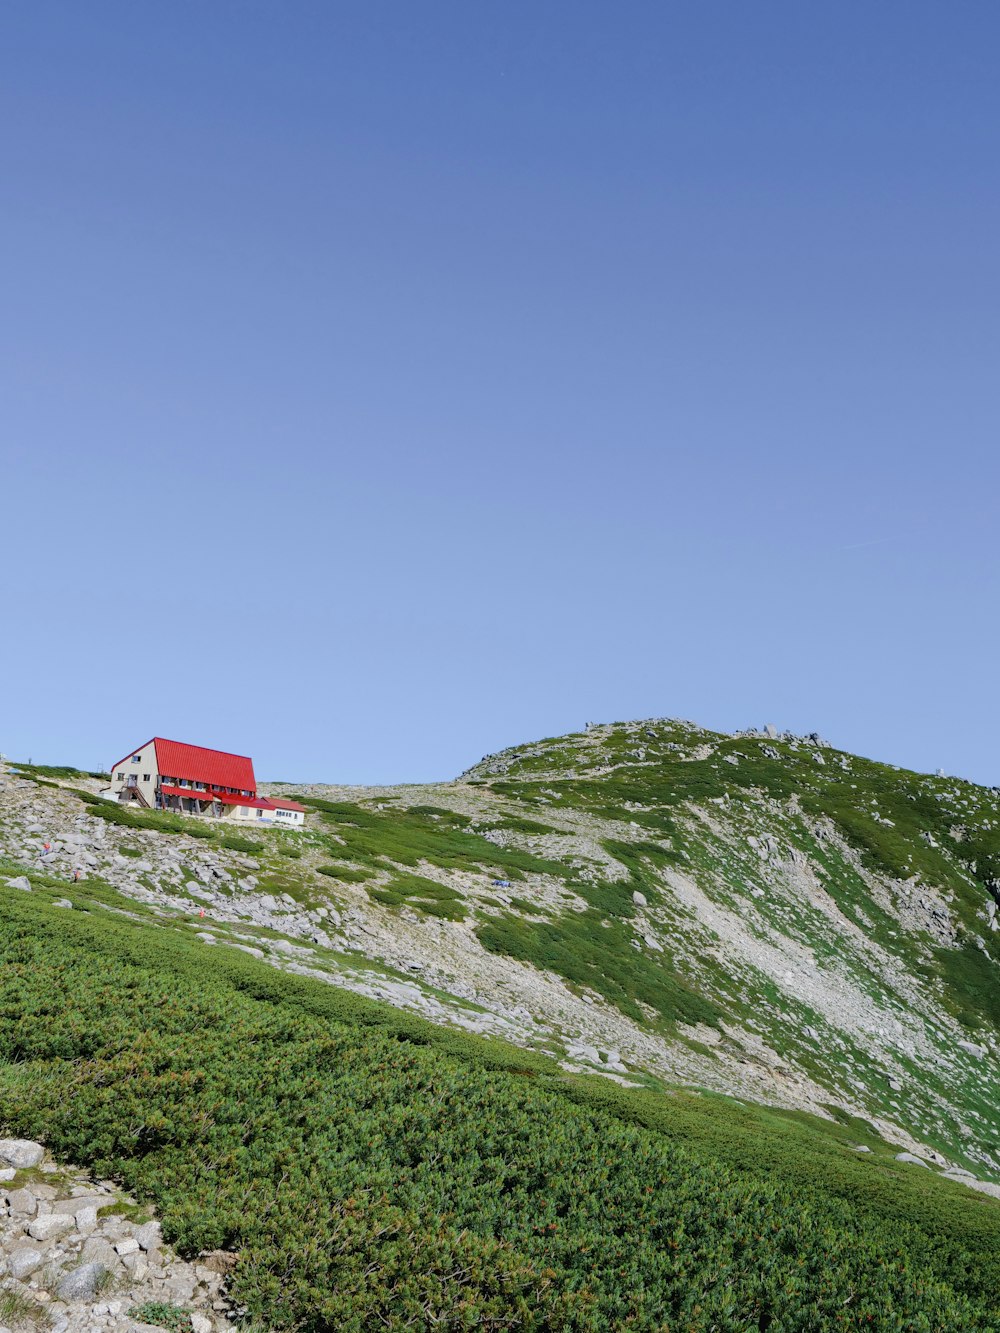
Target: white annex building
(169,775)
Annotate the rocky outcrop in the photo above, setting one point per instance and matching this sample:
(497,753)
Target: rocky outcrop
(78,1256)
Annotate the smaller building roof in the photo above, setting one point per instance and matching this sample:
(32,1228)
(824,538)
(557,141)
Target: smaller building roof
(255,802)
(281,804)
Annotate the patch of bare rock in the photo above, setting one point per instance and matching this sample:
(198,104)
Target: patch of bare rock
(77,1256)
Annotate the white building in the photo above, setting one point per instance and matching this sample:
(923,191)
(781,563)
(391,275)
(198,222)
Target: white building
(169,775)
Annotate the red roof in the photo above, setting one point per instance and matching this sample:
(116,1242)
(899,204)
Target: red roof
(197,764)
(225,798)
(280,804)
(187,791)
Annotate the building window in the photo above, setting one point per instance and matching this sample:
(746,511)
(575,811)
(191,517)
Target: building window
(137,759)
(145,777)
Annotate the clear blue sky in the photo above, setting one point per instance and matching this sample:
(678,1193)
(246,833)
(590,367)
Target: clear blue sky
(383,384)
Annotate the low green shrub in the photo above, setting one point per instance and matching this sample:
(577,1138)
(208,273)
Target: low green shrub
(57,771)
(373,1171)
(158,821)
(424,895)
(346,874)
(158,1313)
(408,837)
(235,843)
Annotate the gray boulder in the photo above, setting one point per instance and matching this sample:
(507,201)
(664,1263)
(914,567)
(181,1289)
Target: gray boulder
(148,1235)
(98,1251)
(909,1157)
(22,1203)
(83,1283)
(20,882)
(973,1048)
(51,1226)
(23,1262)
(582,1051)
(20,1153)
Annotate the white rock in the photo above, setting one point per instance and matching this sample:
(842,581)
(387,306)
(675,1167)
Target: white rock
(22,1203)
(50,1227)
(20,1153)
(24,1261)
(200,1323)
(137,1265)
(909,1157)
(973,1048)
(127,1246)
(148,1236)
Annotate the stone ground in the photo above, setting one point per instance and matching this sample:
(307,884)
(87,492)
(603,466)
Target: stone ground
(77,1256)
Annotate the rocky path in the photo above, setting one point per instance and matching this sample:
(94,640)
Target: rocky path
(77,1256)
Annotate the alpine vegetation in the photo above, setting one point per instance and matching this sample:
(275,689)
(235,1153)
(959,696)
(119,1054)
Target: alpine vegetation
(644,1028)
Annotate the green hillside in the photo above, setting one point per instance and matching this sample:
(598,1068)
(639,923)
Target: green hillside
(375,1171)
(741,972)
(879,887)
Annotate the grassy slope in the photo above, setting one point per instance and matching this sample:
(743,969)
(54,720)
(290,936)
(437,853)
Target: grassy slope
(376,1171)
(906,827)
(642,782)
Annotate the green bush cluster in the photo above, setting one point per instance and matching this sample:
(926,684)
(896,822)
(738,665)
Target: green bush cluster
(162,1315)
(593,948)
(346,874)
(159,821)
(235,843)
(383,839)
(57,771)
(424,895)
(374,1172)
